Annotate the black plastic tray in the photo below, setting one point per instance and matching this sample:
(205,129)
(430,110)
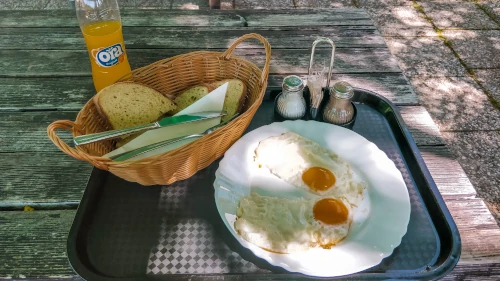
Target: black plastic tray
(124,231)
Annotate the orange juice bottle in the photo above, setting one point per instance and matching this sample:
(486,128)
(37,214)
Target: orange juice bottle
(101,26)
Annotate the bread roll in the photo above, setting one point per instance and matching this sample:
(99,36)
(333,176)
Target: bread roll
(235,96)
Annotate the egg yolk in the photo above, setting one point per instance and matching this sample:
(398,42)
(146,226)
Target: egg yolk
(330,211)
(318,179)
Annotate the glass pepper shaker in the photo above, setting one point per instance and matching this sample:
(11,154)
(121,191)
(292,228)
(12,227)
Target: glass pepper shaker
(339,109)
(291,103)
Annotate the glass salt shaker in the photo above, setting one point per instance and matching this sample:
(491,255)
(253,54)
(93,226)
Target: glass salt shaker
(291,103)
(339,109)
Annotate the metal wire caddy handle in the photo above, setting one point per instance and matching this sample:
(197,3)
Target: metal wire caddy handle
(315,103)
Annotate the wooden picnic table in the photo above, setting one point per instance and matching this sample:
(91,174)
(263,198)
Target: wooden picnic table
(45,76)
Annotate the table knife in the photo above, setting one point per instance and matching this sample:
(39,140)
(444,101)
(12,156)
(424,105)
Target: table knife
(138,151)
(165,122)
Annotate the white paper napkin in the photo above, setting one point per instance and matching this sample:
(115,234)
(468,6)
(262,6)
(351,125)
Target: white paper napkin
(214,101)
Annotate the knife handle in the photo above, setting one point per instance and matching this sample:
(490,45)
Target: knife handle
(129,154)
(85,139)
(141,150)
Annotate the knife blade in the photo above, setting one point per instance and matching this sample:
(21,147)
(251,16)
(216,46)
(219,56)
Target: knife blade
(165,122)
(141,150)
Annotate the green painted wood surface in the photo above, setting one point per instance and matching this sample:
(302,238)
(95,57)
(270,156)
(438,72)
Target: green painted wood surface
(27,131)
(47,63)
(71,93)
(39,173)
(59,93)
(305,17)
(193,37)
(175,18)
(171,18)
(44,66)
(47,179)
(34,243)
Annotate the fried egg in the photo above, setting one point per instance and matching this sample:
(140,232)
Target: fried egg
(305,164)
(283,225)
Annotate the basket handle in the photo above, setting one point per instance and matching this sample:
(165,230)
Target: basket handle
(265,71)
(80,155)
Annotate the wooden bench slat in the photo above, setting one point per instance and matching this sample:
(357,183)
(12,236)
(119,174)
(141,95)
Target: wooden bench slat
(192,38)
(35,63)
(71,93)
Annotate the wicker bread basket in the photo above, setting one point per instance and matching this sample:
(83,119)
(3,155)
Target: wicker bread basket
(170,77)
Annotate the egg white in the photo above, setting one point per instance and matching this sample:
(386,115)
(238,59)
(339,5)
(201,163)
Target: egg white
(285,225)
(289,155)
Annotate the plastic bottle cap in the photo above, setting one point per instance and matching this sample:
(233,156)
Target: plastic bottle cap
(343,90)
(292,83)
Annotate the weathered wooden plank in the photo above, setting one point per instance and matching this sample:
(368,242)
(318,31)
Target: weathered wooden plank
(447,173)
(305,17)
(422,128)
(26,63)
(34,178)
(472,272)
(58,278)
(171,18)
(174,18)
(71,93)
(34,244)
(30,178)
(395,87)
(61,93)
(27,131)
(193,37)
(478,229)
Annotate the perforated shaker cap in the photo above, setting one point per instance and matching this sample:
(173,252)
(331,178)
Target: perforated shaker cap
(292,83)
(343,90)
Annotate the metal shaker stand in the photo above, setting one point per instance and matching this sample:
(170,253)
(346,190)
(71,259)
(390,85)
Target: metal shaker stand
(315,100)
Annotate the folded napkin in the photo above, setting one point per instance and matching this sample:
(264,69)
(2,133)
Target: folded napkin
(214,101)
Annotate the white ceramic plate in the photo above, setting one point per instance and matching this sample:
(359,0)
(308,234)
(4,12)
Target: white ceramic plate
(378,224)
